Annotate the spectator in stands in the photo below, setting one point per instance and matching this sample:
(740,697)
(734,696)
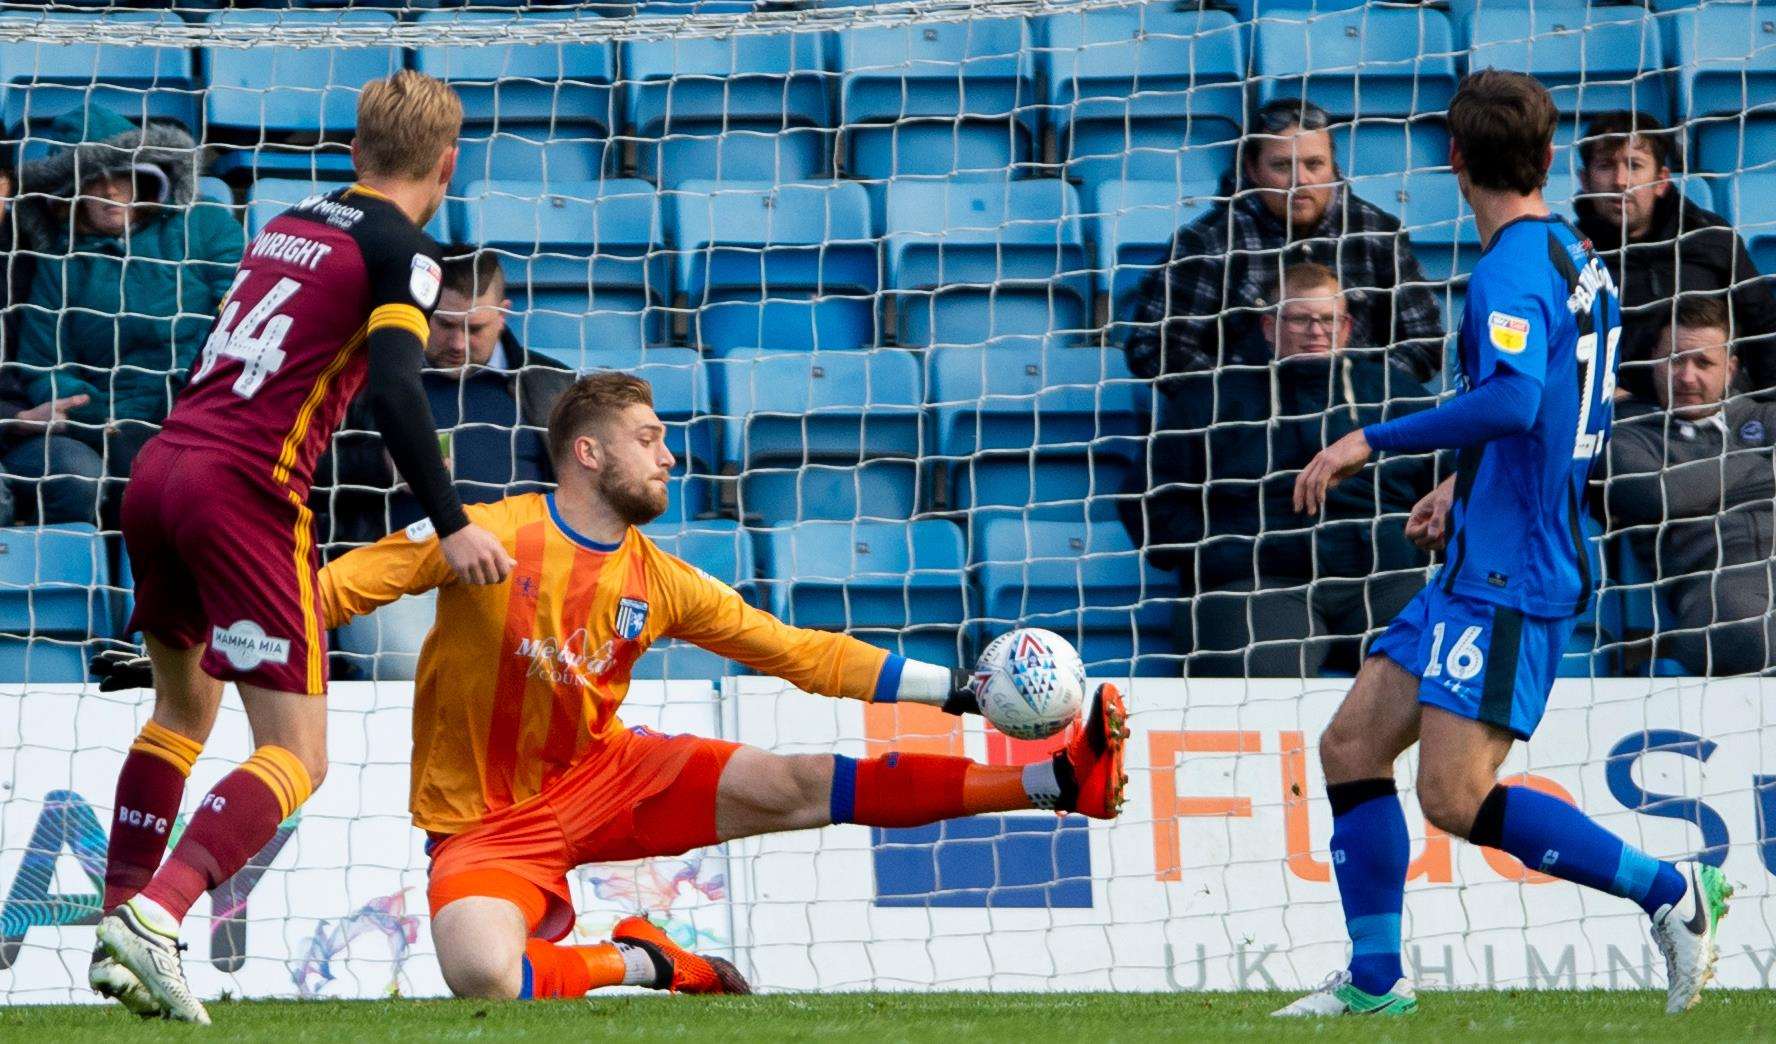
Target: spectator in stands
(1276,591)
(31,442)
(1690,480)
(491,398)
(127,282)
(1660,245)
(1202,307)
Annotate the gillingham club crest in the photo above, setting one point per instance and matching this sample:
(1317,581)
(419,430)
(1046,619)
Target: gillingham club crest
(632,617)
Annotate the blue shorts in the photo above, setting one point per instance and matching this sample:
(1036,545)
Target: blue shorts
(1476,659)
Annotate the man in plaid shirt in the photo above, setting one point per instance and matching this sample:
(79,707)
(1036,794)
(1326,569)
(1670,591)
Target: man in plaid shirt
(1201,308)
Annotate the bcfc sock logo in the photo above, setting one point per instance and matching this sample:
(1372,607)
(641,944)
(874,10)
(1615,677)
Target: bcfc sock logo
(1549,858)
(1338,857)
(145,820)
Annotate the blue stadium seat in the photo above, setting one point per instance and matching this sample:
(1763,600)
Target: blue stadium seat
(530,111)
(1126,88)
(45,80)
(1049,436)
(987,262)
(1728,144)
(1085,582)
(682,400)
(1388,144)
(935,98)
(898,585)
(1130,225)
(833,435)
(269,197)
(782,267)
(1591,57)
(730,107)
(1430,208)
(585,260)
(262,94)
(1249,11)
(1751,208)
(1368,61)
(722,549)
(55,595)
(1725,57)
(384,645)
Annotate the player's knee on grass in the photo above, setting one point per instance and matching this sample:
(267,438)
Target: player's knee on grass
(480,943)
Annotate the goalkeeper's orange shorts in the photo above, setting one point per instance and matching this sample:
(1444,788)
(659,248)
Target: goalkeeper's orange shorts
(641,794)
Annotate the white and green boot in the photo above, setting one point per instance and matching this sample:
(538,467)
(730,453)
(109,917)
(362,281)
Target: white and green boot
(1685,933)
(1337,996)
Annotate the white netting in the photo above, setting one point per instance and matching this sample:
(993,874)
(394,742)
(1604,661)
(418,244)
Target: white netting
(889,268)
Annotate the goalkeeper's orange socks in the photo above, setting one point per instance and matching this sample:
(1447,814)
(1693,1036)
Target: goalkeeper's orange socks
(572,971)
(233,822)
(149,790)
(903,790)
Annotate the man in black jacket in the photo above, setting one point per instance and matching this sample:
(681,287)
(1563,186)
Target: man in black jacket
(1660,245)
(1691,483)
(491,399)
(1278,591)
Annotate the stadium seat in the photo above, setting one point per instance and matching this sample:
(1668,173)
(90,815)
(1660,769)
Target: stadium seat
(269,197)
(1051,436)
(1130,225)
(722,549)
(1127,88)
(986,263)
(1084,581)
(45,80)
(56,595)
(1387,144)
(682,399)
(530,111)
(1250,11)
(781,267)
(833,435)
(1725,56)
(1592,58)
(1728,144)
(585,260)
(260,97)
(1751,208)
(742,107)
(935,99)
(384,645)
(898,585)
(1430,208)
(1368,61)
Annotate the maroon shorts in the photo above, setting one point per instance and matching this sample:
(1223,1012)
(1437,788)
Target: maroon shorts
(225,557)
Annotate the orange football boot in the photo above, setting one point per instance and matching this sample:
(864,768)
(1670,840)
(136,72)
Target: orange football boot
(691,973)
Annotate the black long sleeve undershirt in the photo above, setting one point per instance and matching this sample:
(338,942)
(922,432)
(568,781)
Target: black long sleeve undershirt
(404,417)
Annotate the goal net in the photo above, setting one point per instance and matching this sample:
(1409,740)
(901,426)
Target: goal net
(936,359)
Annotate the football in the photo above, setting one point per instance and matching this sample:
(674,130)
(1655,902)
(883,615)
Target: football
(1030,683)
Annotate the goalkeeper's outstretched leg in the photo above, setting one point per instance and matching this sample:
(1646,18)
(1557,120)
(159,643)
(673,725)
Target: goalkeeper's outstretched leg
(499,892)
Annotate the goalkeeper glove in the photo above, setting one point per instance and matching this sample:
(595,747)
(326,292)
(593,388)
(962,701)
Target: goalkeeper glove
(964,695)
(118,669)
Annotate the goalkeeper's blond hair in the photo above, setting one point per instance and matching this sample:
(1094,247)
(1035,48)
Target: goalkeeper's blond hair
(405,122)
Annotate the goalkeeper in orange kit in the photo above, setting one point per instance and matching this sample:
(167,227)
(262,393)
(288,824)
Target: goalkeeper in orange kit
(522,770)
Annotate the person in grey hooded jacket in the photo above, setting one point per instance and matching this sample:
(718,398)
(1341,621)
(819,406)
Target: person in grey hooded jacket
(1691,485)
(128,279)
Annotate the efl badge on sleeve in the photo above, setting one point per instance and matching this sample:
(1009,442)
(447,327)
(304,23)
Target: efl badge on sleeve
(1509,333)
(632,618)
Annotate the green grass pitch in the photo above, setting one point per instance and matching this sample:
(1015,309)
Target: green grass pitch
(949,1018)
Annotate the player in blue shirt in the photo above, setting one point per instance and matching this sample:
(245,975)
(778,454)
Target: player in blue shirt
(1465,669)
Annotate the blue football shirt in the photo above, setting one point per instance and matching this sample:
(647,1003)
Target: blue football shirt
(1541,304)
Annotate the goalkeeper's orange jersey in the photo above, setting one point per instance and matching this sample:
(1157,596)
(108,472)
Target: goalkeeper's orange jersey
(518,681)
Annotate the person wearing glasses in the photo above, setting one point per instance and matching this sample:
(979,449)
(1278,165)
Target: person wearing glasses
(1276,595)
(1201,308)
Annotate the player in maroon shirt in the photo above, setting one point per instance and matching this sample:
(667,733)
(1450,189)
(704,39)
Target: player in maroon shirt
(332,296)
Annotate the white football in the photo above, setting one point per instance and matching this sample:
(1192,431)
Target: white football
(1030,683)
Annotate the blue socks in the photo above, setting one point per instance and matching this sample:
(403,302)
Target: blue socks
(1549,835)
(1370,851)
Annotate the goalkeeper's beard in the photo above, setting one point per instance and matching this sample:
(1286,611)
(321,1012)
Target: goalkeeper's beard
(635,501)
